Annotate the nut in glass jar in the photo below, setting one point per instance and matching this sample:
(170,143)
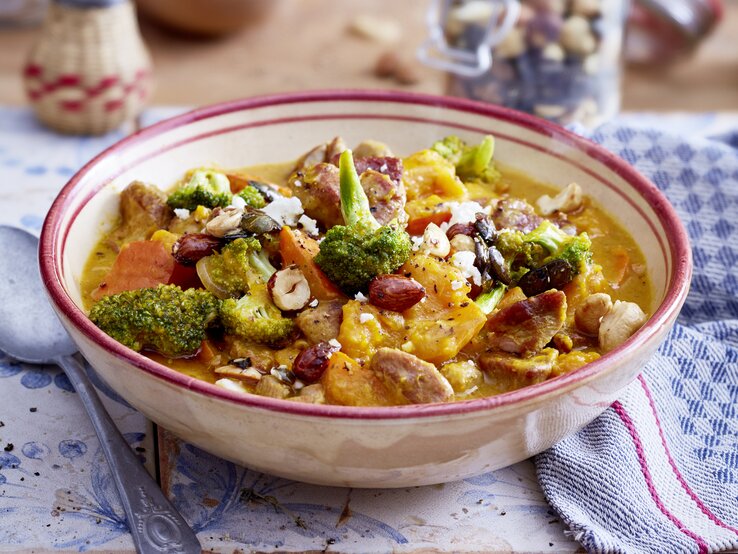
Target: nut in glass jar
(557,59)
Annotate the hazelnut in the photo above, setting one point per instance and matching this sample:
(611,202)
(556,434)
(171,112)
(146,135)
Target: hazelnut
(289,289)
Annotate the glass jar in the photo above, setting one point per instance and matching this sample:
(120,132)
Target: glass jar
(557,59)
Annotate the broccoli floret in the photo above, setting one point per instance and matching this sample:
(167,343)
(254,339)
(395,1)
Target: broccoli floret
(255,318)
(520,256)
(353,254)
(205,188)
(488,300)
(523,252)
(472,162)
(573,249)
(243,269)
(252,197)
(166,319)
(240,265)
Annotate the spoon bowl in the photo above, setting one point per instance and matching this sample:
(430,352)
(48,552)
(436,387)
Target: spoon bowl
(32,333)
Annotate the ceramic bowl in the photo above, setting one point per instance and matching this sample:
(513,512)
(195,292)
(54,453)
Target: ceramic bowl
(347,446)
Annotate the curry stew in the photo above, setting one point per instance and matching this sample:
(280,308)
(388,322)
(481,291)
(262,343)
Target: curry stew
(366,279)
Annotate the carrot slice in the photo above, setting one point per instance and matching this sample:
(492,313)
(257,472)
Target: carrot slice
(418,225)
(141,264)
(299,249)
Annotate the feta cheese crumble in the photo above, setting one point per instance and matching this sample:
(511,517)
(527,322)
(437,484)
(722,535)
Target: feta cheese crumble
(463,212)
(360,297)
(456,285)
(465,262)
(313,303)
(417,242)
(334,343)
(363,318)
(309,225)
(238,202)
(285,211)
(182,213)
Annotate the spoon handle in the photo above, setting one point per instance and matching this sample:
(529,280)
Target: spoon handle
(156,525)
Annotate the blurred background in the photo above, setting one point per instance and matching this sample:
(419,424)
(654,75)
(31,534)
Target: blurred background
(560,59)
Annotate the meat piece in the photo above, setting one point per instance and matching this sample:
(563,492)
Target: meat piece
(389,166)
(527,326)
(513,372)
(386,197)
(416,380)
(143,210)
(514,213)
(323,153)
(334,149)
(318,189)
(321,323)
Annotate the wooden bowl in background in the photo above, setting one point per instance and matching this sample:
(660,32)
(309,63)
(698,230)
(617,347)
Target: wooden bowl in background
(207,18)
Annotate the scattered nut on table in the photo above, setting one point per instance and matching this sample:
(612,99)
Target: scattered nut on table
(378,29)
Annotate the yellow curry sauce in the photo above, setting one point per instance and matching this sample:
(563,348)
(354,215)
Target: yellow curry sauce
(623,269)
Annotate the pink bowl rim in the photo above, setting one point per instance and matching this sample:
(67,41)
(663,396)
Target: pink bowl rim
(49,260)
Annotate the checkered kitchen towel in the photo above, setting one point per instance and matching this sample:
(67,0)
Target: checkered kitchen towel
(658,471)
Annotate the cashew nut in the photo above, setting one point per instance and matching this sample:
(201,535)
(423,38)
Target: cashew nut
(224,221)
(590,312)
(435,242)
(619,324)
(568,200)
(462,243)
(231,385)
(289,289)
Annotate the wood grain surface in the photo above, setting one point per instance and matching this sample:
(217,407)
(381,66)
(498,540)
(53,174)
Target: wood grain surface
(306,44)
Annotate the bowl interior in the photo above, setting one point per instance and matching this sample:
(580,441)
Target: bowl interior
(249,133)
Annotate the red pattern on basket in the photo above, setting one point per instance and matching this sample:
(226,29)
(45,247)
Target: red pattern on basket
(74,81)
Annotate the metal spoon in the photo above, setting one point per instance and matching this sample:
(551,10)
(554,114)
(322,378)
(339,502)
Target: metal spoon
(31,332)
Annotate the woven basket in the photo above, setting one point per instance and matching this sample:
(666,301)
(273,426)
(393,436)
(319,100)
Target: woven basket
(89,72)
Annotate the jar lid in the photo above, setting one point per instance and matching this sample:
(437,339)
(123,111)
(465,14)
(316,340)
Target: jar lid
(693,19)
